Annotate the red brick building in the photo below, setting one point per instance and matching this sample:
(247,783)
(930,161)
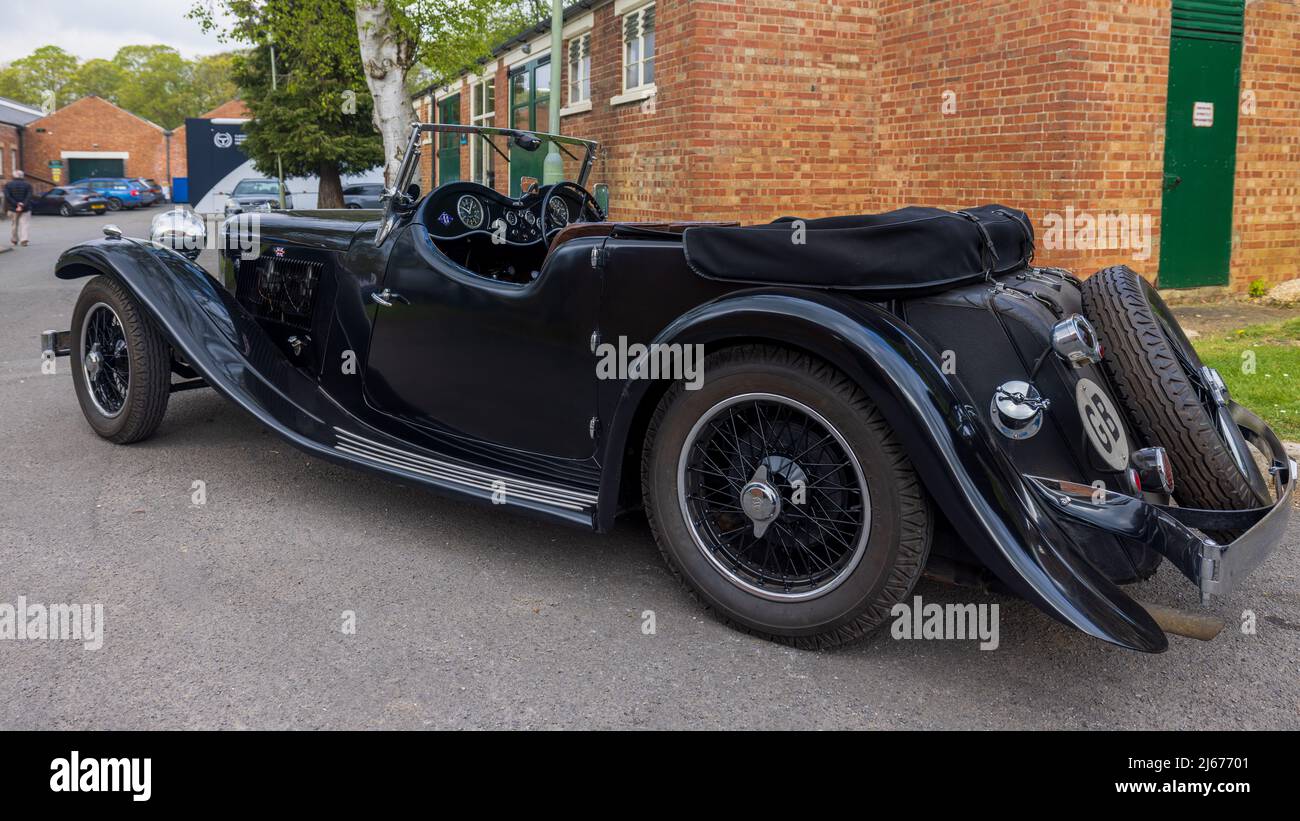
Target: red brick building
(92,137)
(1162,133)
(14,116)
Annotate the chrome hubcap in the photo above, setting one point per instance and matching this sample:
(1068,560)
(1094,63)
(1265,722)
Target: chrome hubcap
(760,501)
(94,361)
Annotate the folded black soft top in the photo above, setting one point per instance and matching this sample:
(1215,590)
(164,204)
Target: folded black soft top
(904,252)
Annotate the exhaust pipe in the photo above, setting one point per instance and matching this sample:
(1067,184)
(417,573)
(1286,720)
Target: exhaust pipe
(1182,623)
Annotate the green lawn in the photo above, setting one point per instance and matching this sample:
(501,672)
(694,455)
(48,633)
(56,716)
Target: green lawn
(1273,388)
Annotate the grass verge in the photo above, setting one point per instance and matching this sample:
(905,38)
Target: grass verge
(1261,366)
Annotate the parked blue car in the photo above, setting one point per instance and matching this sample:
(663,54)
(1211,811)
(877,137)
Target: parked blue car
(120,192)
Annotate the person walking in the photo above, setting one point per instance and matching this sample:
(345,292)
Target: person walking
(18,197)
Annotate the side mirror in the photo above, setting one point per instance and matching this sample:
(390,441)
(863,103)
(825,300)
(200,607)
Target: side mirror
(600,192)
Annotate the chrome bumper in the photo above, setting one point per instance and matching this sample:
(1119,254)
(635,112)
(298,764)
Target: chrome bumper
(1171,531)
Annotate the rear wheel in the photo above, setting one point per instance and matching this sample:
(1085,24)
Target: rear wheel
(64,210)
(114,204)
(782,500)
(1170,397)
(121,365)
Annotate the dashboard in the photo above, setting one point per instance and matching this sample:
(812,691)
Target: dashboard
(465,209)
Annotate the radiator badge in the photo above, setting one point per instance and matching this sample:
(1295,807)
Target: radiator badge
(1101,421)
(279,252)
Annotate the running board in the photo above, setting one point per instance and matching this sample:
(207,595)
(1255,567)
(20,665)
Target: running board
(502,488)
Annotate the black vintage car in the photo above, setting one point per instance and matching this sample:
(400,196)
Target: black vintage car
(811,413)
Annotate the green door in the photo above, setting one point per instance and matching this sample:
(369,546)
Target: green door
(530,100)
(80,168)
(449,144)
(1200,142)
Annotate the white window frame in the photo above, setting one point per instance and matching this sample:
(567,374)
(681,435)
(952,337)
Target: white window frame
(583,75)
(485,118)
(641,89)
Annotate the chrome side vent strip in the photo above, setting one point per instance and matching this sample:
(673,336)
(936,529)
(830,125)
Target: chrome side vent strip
(512,486)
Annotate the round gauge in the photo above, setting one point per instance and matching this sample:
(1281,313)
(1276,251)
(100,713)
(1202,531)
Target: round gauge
(557,213)
(470,211)
(512,217)
(530,217)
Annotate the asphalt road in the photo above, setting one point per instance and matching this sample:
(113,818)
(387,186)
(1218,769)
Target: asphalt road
(229,614)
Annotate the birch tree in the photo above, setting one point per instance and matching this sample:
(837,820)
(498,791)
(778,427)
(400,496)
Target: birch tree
(442,37)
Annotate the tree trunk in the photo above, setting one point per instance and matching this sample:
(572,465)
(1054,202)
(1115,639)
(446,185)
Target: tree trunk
(330,194)
(386,57)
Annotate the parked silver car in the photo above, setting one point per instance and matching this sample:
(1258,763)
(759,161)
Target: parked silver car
(256,195)
(363,195)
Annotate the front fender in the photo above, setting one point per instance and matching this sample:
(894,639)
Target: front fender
(960,462)
(204,324)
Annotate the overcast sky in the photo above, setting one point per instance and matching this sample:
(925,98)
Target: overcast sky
(98,28)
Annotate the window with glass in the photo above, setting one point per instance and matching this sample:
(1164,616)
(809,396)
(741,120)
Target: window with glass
(639,48)
(483,108)
(580,69)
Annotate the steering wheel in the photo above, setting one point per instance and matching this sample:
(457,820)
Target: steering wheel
(588,207)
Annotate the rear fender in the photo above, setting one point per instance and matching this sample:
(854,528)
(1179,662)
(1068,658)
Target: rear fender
(960,462)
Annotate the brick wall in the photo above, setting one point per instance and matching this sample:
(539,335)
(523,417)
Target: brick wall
(93,124)
(1057,109)
(9,150)
(773,107)
(1266,214)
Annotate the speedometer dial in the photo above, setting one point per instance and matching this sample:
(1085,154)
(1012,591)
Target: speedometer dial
(470,211)
(557,213)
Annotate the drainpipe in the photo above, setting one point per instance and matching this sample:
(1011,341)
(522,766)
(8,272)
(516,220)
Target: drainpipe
(553,168)
(167,136)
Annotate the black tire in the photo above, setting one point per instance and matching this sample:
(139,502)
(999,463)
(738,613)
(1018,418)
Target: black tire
(114,204)
(64,210)
(1143,342)
(898,529)
(145,353)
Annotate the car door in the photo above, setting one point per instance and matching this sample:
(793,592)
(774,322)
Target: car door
(508,365)
(48,202)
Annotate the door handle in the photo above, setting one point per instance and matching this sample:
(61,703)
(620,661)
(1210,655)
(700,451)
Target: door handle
(1172,181)
(387,298)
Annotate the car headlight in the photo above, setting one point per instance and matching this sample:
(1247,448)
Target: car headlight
(181,230)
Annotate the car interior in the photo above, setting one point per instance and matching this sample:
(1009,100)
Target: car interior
(498,237)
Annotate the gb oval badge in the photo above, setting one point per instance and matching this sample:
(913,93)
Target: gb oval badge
(1101,421)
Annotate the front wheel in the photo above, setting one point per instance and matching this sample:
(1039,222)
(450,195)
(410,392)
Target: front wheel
(65,211)
(121,365)
(781,498)
(114,204)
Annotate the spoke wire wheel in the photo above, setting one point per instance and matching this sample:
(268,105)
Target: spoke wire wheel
(105,364)
(120,363)
(719,469)
(774,497)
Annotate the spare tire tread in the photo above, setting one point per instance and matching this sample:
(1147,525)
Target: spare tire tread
(1161,401)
